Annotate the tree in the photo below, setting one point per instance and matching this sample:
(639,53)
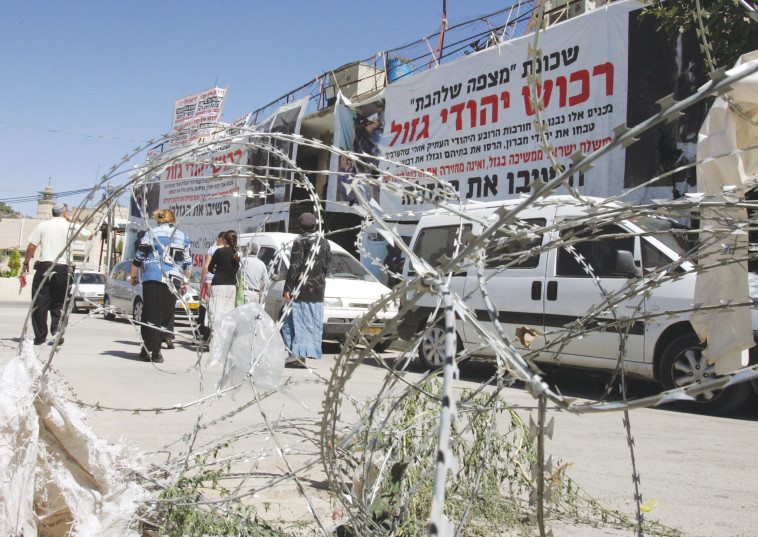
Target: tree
(14,263)
(730,28)
(7,212)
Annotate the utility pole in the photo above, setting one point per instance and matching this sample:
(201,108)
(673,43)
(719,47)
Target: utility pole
(109,229)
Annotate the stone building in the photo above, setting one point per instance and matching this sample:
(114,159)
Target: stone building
(15,232)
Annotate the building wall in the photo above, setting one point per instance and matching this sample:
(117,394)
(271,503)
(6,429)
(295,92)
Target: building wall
(15,232)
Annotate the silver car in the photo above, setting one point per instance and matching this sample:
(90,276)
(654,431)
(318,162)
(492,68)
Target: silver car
(122,297)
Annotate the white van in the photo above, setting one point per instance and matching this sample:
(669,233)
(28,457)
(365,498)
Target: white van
(536,285)
(351,290)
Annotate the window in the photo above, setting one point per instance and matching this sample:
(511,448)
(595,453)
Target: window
(512,243)
(266,254)
(676,236)
(271,256)
(345,266)
(597,246)
(434,243)
(124,270)
(91,277)
(118,272)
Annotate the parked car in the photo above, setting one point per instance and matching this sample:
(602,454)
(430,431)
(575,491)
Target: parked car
(87,289)
(120,296)
(547,289)
(351,290)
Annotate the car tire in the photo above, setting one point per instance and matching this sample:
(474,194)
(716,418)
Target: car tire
(137,310)
(431,350)
(684,364)
(382,345)
(106,305)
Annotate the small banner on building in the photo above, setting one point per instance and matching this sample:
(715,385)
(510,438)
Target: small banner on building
(195,115)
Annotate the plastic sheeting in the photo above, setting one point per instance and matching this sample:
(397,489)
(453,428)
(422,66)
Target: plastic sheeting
(247,342)
(56,477)
(728,331)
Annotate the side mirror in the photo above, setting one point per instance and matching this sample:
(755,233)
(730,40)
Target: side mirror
(622,264)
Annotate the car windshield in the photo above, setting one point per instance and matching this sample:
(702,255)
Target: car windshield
(91,277)
(345,266)
(676,236)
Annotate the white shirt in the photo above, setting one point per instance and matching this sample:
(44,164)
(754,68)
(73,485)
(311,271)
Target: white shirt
(209,275)
(254,273)
(51,237)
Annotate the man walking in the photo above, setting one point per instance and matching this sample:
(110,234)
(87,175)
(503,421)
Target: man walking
(51,276)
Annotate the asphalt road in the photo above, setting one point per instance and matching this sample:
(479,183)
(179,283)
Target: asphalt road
(698,468)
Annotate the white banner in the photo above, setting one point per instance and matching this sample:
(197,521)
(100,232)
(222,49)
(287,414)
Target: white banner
(471,123)
(195,115)
(208,198)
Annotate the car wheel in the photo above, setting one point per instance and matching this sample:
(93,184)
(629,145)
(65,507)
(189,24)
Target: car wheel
(382,345)
(431,351)
(106,307)
(683,364)
(137,310)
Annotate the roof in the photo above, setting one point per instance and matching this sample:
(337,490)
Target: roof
(279,239)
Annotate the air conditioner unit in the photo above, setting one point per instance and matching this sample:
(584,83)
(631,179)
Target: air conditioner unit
(584,6)
(354,80)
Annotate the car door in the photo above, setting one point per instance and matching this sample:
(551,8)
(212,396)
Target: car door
(586,321)
(514,275)
(439,240)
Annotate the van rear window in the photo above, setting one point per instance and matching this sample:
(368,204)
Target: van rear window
(593,246)
(510,246)
(435,244)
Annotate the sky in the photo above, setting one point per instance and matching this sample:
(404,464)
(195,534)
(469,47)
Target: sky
(85,83)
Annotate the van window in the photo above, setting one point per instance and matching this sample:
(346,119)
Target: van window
(266,254)
(596,246)
(673,234)
(434,243)
(508,249)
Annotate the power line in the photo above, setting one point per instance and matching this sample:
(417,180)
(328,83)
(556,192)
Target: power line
(10,124)
(35,197)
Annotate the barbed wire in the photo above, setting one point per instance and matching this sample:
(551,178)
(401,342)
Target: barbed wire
(361,444)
